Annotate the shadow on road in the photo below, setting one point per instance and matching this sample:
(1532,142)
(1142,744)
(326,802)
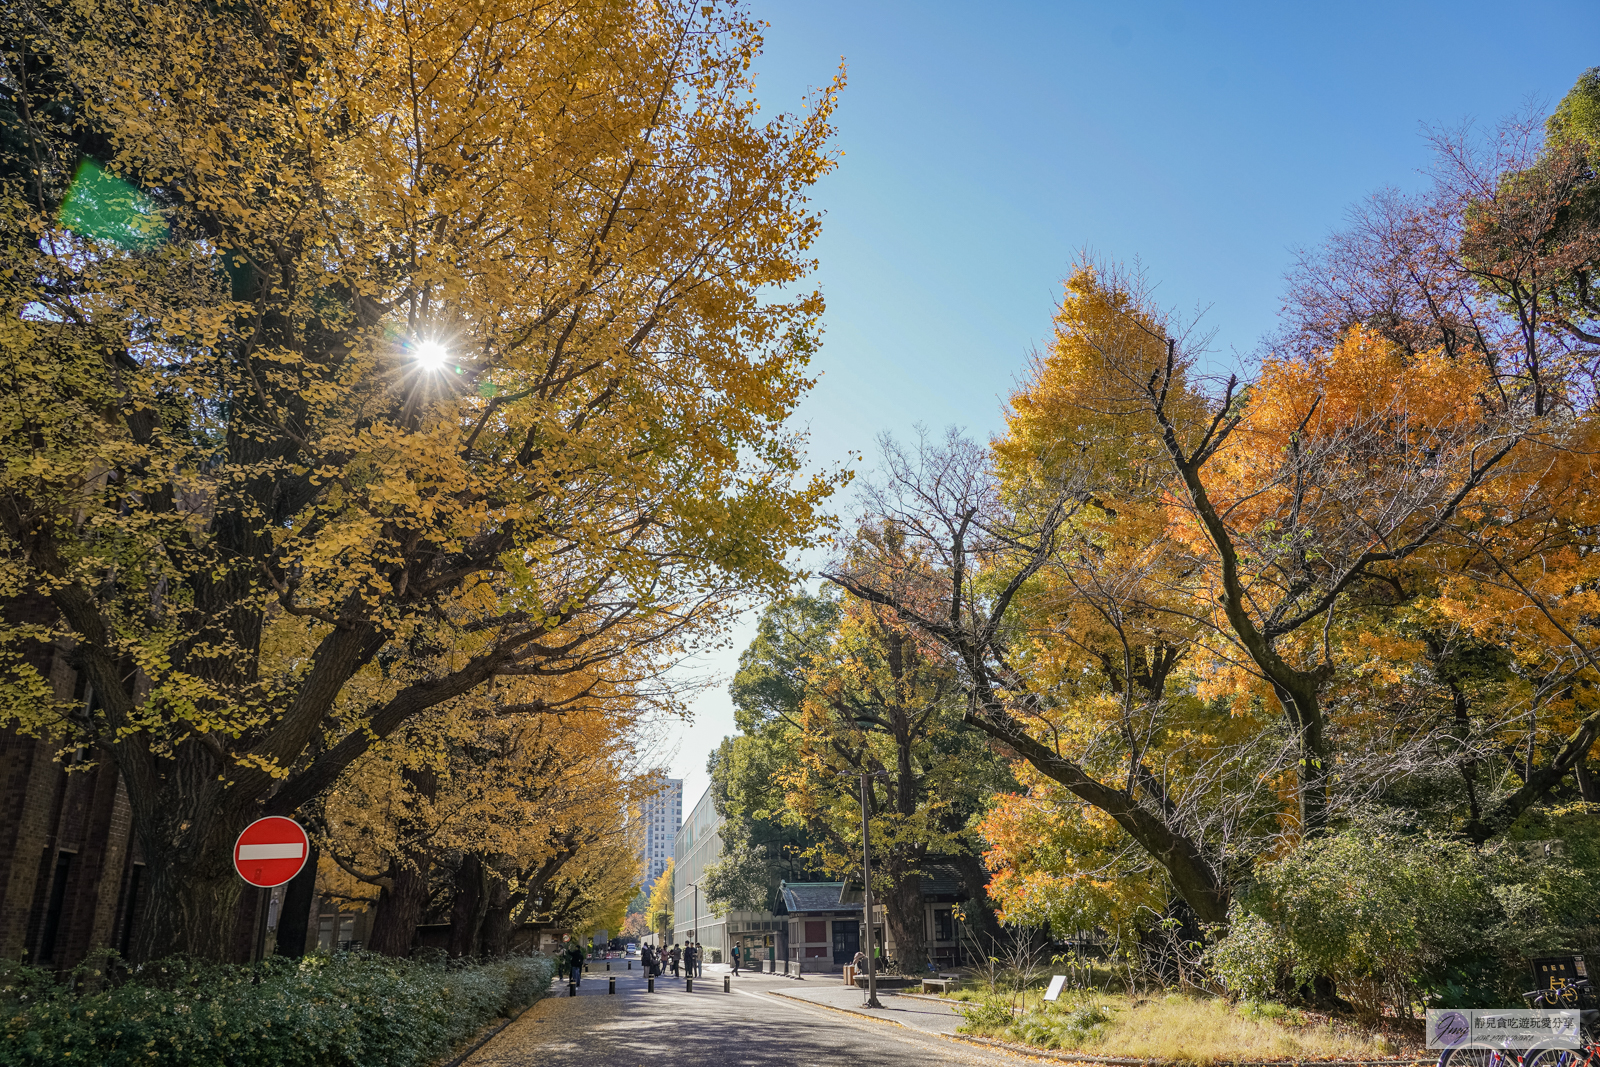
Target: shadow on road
(673,1028)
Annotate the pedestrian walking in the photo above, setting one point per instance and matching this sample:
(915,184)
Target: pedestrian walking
(676,956)
(688,958)
(575,962)
(735,955)
(699,960)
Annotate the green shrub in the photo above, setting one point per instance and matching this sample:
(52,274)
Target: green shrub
(1373,911)
(1251,960)
(985,1016)
(1049,1028)
(338,1011)
(1401,919)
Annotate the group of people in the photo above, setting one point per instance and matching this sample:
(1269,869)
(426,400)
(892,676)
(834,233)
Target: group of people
(686,959)
(690,957)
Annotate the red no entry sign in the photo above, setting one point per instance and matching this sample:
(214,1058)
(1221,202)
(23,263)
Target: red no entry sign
(271,851)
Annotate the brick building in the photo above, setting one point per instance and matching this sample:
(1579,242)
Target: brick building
(69,869)
(71,873)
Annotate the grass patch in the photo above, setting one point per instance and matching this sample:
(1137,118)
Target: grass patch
(1176,1027)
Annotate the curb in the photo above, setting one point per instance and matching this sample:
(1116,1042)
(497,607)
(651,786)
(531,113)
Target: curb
(926,996)
(1121,1061)
(1111,1061)
(493,1032)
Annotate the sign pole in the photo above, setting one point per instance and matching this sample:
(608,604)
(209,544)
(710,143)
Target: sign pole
(263,902)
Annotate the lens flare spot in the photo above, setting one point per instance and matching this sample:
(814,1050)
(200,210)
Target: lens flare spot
(431,355)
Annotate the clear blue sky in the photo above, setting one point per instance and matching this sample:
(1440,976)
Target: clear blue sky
(986,144)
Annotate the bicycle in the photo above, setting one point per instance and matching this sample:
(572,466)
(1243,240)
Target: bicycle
(1570,995)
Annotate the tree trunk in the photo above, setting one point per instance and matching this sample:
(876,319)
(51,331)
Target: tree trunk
(1187,866)
(1316,761)
(1586,787)
(187,827)
(190,905)
(468,907)
(902,912)
(294,921)
(1539,783)
(1297,689)
(495,939)
(400,907)
(403,901)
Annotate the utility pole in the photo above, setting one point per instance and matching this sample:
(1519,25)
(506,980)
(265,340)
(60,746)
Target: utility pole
(866,879)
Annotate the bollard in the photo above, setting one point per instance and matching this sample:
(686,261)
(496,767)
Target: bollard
(572,989)
(608,962)
(727,986)
(688,985)
(630,962)
(786,965)
(650,985)
(613,981)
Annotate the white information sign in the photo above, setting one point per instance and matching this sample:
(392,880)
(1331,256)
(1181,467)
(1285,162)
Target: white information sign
(1502,1028)
(1057,981)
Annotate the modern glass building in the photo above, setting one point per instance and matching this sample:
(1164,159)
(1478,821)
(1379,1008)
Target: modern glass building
(698,846)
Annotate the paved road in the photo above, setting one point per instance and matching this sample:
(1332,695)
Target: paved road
(709,1028)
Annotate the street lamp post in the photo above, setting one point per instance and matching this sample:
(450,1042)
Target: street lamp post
(694,931)
(866,722)
(866,881)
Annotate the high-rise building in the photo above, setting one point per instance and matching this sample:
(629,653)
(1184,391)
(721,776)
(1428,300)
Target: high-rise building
(662,814)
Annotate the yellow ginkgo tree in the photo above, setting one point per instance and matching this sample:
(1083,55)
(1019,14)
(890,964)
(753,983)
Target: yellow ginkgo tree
(342,337)
(516,803)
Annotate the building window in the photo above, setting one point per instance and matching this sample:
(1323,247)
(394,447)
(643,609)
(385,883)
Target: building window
(816,931)
(944,926)
(58,903)
(130,906)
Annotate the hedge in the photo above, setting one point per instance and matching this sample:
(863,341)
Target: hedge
(321,1011)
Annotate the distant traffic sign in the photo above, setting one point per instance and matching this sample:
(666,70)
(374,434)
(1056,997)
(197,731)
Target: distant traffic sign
(271,851)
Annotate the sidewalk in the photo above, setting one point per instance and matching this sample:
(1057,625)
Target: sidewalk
(720,969)
(927,1015)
